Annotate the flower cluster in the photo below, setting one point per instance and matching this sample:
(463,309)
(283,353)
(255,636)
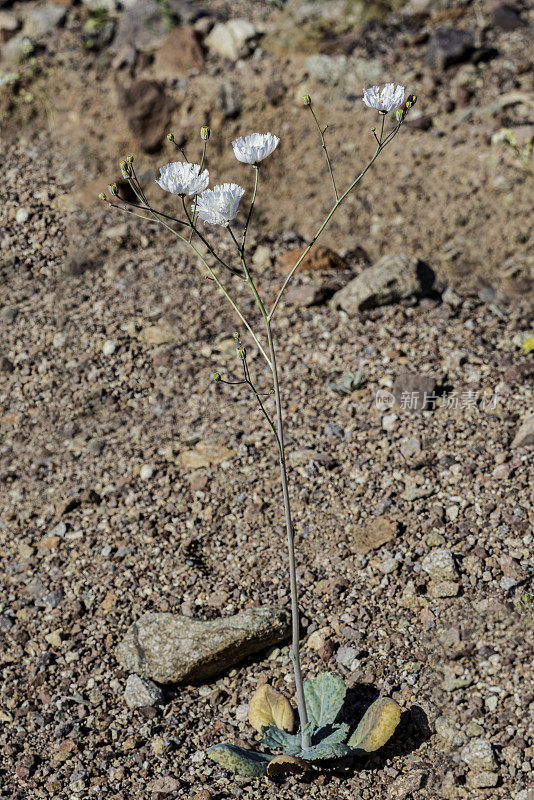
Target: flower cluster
(220,205)
(217,206)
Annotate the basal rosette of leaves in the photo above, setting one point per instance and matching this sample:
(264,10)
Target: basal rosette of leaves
(270,713)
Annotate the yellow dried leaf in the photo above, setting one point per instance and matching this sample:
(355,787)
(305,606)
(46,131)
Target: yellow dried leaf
(269,707)
(282,766)
(377,725)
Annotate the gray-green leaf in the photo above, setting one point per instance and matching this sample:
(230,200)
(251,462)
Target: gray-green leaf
(239,760)
(276,739)
(324,697)
(324,751)
(331,734)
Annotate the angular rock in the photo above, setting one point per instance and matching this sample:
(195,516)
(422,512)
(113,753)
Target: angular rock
(443,588)
(179,54)
(143,27)
(448,46)
(439,564)
(170,648)
(483,780)
(310,294)
(373,535)
(147,109)
(206,454)
(228,99)
(479,756)
(140,692)
(9,24)
(506,17)
(415,393)
(525,434)
(232,39)
(393,278)
(42,19)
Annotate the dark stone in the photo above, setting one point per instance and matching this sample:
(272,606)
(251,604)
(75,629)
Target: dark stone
(448,46)
(423,123)
(506,17)
(414,392)
(147,109)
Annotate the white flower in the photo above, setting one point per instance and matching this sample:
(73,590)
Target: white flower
(389,98)
(219,205)
(180,178)
(254,148)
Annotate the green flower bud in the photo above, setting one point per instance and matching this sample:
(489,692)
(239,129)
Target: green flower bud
(236,335)
(411,100)
(129,159)
(241,352)
(216,377)
(400,113)
(306,100)
(101,196)
(205,133)
(170,137)
(112,189)
(124,170)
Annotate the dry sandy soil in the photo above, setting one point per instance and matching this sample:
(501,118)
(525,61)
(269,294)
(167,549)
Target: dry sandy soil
(88,542)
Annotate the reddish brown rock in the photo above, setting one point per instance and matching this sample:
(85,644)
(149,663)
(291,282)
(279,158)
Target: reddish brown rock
(317,259)
(179,54)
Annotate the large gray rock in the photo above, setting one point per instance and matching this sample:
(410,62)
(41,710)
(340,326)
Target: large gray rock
(393,278)
(173,649)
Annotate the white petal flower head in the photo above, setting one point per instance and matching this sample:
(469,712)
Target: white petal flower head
(387,99)
(219,205)
(183,178)
(254,148)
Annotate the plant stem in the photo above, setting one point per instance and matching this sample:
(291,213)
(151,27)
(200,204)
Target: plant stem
(381,145)
(295,614)
(279,434)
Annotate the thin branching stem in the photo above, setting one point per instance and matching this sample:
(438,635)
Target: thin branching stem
(323,143)
(380,147)
(204,148)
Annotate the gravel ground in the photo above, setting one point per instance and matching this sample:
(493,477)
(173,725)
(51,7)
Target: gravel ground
(90,540)
(409,577)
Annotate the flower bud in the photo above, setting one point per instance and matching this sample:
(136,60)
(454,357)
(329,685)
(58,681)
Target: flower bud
(411,100)
(236,335)
(101,196)
(400,114)
(241,352)
(170,137)
(216,377)
(124,170)
(306,100)
(129,159)
(112,189)
(205,133)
